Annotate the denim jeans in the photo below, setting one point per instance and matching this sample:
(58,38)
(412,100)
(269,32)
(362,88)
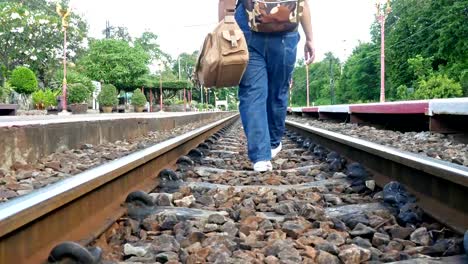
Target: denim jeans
(263,91)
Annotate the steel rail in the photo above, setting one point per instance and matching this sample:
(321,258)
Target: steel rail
(82,207)
(440,186)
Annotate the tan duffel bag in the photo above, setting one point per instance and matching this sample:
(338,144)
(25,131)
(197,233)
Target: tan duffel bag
(224,56)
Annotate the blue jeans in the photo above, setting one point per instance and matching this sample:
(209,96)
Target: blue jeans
(263,91)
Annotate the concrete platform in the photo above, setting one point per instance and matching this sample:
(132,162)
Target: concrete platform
(438,115)
(28,138)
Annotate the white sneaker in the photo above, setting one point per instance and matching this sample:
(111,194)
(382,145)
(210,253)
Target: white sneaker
(262,166)
(277,150)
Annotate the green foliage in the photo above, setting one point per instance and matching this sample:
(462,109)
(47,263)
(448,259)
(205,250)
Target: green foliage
(23,80)
(360,80)
(437,86)
(187,65)
(149,43)
(421,67)
(45,97)
(173,101)
(177,85)
(403,93)
(108,95)
(5,92)
(77,93)
(232,106)
(114,61)
(138,98)
(202,107)
(428,28)
(73,77)
(464,82)
(31,35)
(319,76)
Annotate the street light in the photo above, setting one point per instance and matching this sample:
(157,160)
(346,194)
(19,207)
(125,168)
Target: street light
(64,14)
(381,16)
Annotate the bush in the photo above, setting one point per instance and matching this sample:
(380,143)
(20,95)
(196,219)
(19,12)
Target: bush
(73,77)
(108,96)
(438,86)
(173,101)
(23,80)
(464,82)
(77,93)
(232,106)
(138,98)
(5,92)
(46,97)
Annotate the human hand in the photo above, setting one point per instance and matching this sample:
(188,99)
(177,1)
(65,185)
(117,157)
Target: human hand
(309,52)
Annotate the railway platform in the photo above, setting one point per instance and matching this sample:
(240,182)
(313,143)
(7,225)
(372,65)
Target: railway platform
(438,115)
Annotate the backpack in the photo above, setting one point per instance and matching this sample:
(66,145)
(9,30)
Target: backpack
(274,15)
(224,55)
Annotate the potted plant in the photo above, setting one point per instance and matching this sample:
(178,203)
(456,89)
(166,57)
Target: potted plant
(108,98)
(77,94)
(138,100)
(45,99)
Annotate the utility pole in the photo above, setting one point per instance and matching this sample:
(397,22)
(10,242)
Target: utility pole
(332,82)
(108,29)
(381,16)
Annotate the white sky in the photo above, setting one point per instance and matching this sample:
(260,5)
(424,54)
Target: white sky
(182,24)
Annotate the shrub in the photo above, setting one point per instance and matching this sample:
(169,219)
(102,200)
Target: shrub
(438,86)
(73,77)
(232,106)
(46,97)
(23,80)
(138,98)
(77,93)
(5,92)
(108,96)
(464,82)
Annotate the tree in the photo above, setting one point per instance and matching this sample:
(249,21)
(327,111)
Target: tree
(118,33)
(320,81)
(114,61)
(187,65)
(30,34)
(148,41)
(435,29)
(360,79)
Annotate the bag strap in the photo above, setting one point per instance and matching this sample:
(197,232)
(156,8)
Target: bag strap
(230,7)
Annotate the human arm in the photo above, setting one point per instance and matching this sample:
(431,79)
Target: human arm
(306,22)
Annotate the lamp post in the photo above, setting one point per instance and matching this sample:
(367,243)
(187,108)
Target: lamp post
(381,16)
(64,14)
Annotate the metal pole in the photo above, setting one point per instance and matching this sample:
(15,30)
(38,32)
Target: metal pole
(332,83)
(64,84)
(160,93)
(381,16)
(185,102)
(178,62)
(307,84)
(201,94)
(382,59)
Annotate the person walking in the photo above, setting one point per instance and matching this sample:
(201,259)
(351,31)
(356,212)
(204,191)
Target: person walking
(271,31)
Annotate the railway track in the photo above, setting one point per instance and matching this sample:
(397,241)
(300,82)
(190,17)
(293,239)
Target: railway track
(317,206)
